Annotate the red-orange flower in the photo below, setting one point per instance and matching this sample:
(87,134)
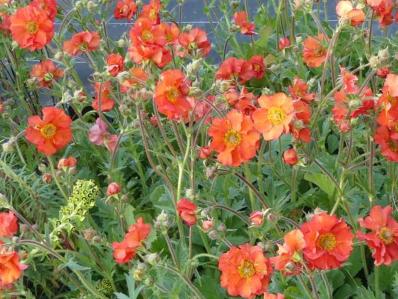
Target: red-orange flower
(137,78)
(115,64)
(346,10)
(8,224)
(289,259)
(124,251)
(234,138)
(230,69)
(125,9)
(274,116)
(383,10)
(45,72)
(256,218)
(328,241)
(50,133)
(31,27)
(252,68)
(283,43)
(10,266)
(103,100)
(383,236)
(49,6)
(387,139)
(194,42)
(171,95)
(315,52)
(187,211)
(245,271)
(242,21)
(299,91)
(243,101)
(152,11)
(290,157)
(82,42)
(273,296)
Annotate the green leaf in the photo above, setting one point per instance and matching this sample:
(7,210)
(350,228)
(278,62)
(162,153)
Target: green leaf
(323,182)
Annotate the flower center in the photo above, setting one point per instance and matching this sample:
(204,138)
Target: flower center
(172,94)
(48,131)
(386,235)
(276,115)
(246,269)
(327,241)
(232,137)
(147,35)
(32,27)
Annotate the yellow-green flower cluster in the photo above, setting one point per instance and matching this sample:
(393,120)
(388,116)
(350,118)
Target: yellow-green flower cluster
(80,202)
(105,287)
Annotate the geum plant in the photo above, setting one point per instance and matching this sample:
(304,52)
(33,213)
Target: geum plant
(257,159)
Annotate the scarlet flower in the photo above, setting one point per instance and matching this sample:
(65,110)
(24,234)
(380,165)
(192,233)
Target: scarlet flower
(31,27)
(230,69)
(10,266)
(349,81)
(82,42)
(299,91)
(67,163)
(5,23)
(103,100)
(171,95)
(328,241)
(204,152)
(289,259)
(187,211)
(383,236)
(113,189)
(137,78)
(283,43)
(256,218)
(274,116)
(314,54)
(387,140)
(8,224)
(124,251)
(125,9)
(245,271)
(241,20)
(253,68)
(49,6)
(234,138)
(115,64)
(152,11)
(45,72)
(50,133)
(243,101)
(383,10)
(290,157)
(194,42)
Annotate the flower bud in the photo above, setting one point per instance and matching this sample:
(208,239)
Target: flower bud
(139,272)
(152,259)
(207,225)
(47,178)
(113,189)
(121,43)
(162,221)
(257,218)
(290,157)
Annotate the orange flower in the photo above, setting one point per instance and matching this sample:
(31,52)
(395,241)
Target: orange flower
(152,11)
(103,100)
(387,139)
(346,10)
(45,72)
(234,138)
(383,9)
(391,84)
(82,42)
(241,20)
(137,78)
(328,241)
(253,68)
(171,95)
(8,224)
(124,251)
(50,133)
(69,162)
(31,28)
(243,101)
(383,235)
(299,91)
(114,64)
(274,116)
(315,52)
(187,211)
(10,267)
(125,9)
(194,42)
(273,296)
(245,271)
(49,6)
(289,259)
